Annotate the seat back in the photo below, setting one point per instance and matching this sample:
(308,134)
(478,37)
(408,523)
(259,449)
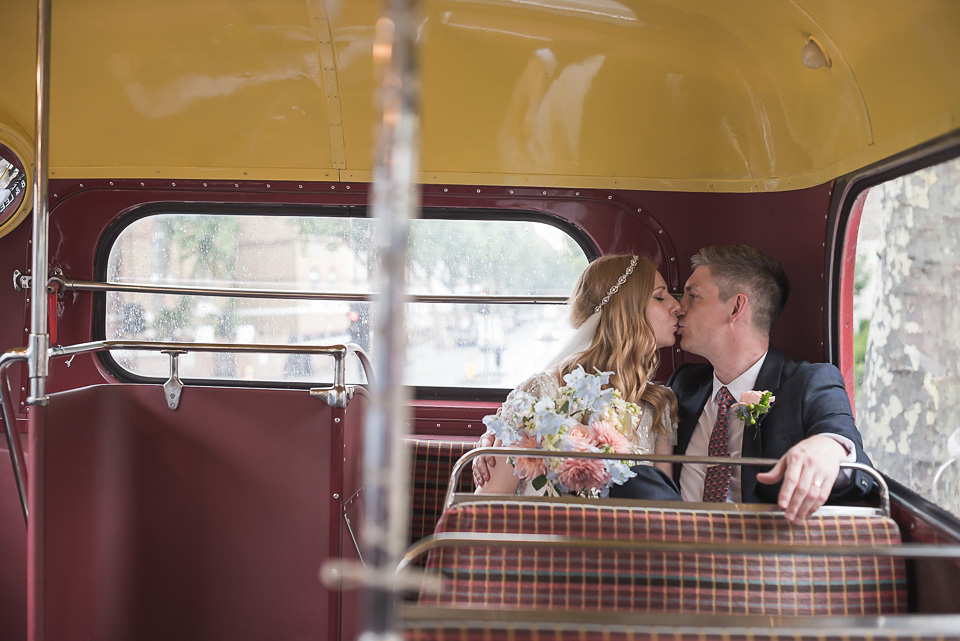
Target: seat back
(433,460)
(500,576)
(211,521)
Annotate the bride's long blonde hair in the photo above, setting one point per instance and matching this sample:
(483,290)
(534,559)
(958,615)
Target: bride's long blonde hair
(624,342)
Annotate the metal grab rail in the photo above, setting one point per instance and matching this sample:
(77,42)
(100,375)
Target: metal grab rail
(280,294)
(666,458)
(937,476)
(953,447)
(338,351)
(668,626)
(13,439)
(562,542)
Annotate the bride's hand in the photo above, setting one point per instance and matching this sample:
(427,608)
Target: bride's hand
(483,464)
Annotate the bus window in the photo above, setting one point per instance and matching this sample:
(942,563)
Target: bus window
(907,329)
(450,344)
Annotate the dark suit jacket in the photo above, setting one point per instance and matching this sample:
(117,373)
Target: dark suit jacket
(810,399)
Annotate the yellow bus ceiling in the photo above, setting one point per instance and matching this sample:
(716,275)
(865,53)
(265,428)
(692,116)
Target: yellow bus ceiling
(697,96)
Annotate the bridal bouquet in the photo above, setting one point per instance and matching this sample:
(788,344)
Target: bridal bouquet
(584,417)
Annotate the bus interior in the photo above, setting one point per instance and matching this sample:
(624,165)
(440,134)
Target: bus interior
(187,453)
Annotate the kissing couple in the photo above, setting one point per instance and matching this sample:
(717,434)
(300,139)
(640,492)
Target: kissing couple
(624,314)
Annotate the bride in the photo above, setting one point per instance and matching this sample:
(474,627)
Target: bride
(623,314)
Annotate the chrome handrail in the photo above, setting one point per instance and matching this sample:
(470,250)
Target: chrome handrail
(281,294)
(9,428)
(655,458)
(338,351)
(670,626)
(935,485)
(560,541)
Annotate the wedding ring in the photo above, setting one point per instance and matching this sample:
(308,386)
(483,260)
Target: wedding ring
(818,483)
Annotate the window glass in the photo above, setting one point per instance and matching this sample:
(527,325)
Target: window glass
(907,324)
(450,344)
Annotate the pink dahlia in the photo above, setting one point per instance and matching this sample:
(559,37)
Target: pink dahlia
(528,467)
(608,434)
(583,474)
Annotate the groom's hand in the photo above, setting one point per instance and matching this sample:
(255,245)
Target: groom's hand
(482,464)
(809,470)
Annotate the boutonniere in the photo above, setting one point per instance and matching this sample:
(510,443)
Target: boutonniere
(753,406)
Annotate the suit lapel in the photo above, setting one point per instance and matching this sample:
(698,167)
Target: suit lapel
(769,375)
(768,378)
(690,407)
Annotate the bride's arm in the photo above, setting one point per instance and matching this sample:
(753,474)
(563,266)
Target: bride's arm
(666,442)
(663,446)
(502,479)
(493,474)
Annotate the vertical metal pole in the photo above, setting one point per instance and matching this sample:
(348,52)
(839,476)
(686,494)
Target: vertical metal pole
(37,348)
(395,201)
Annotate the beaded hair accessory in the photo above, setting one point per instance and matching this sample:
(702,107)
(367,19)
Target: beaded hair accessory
(616,285)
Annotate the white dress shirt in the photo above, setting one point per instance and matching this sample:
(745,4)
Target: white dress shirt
(692,474)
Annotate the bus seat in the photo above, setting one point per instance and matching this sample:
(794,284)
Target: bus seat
(498,576)
(433,460)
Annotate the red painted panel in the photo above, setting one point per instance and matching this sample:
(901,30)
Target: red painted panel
(463,419)
(937,581)
(36,530)
(208,522)
(845,304)
(352,602)
(13,542)
(669,226)
(790,225)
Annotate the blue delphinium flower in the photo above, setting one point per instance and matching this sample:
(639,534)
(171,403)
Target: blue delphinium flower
(603,401)
(547,423)
(503,430)
(620,471)
(586,389)
(519,402)
(545,404)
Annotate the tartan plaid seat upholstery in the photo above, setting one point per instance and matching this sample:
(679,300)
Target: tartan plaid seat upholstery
(491,575)
(433,461)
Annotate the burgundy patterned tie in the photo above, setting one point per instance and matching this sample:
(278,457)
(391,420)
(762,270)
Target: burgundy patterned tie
(716,483)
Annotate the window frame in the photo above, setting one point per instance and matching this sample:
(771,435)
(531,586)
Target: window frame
(113,231)
(842,234)
(846,207)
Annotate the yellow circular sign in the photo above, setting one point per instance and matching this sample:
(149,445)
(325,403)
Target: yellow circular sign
(16,178)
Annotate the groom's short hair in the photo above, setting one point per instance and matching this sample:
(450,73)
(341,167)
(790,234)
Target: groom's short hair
(753,271)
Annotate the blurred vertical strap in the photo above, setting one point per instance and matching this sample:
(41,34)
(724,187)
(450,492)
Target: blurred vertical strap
(395,201)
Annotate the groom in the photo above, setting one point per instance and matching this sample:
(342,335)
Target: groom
(729,304)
